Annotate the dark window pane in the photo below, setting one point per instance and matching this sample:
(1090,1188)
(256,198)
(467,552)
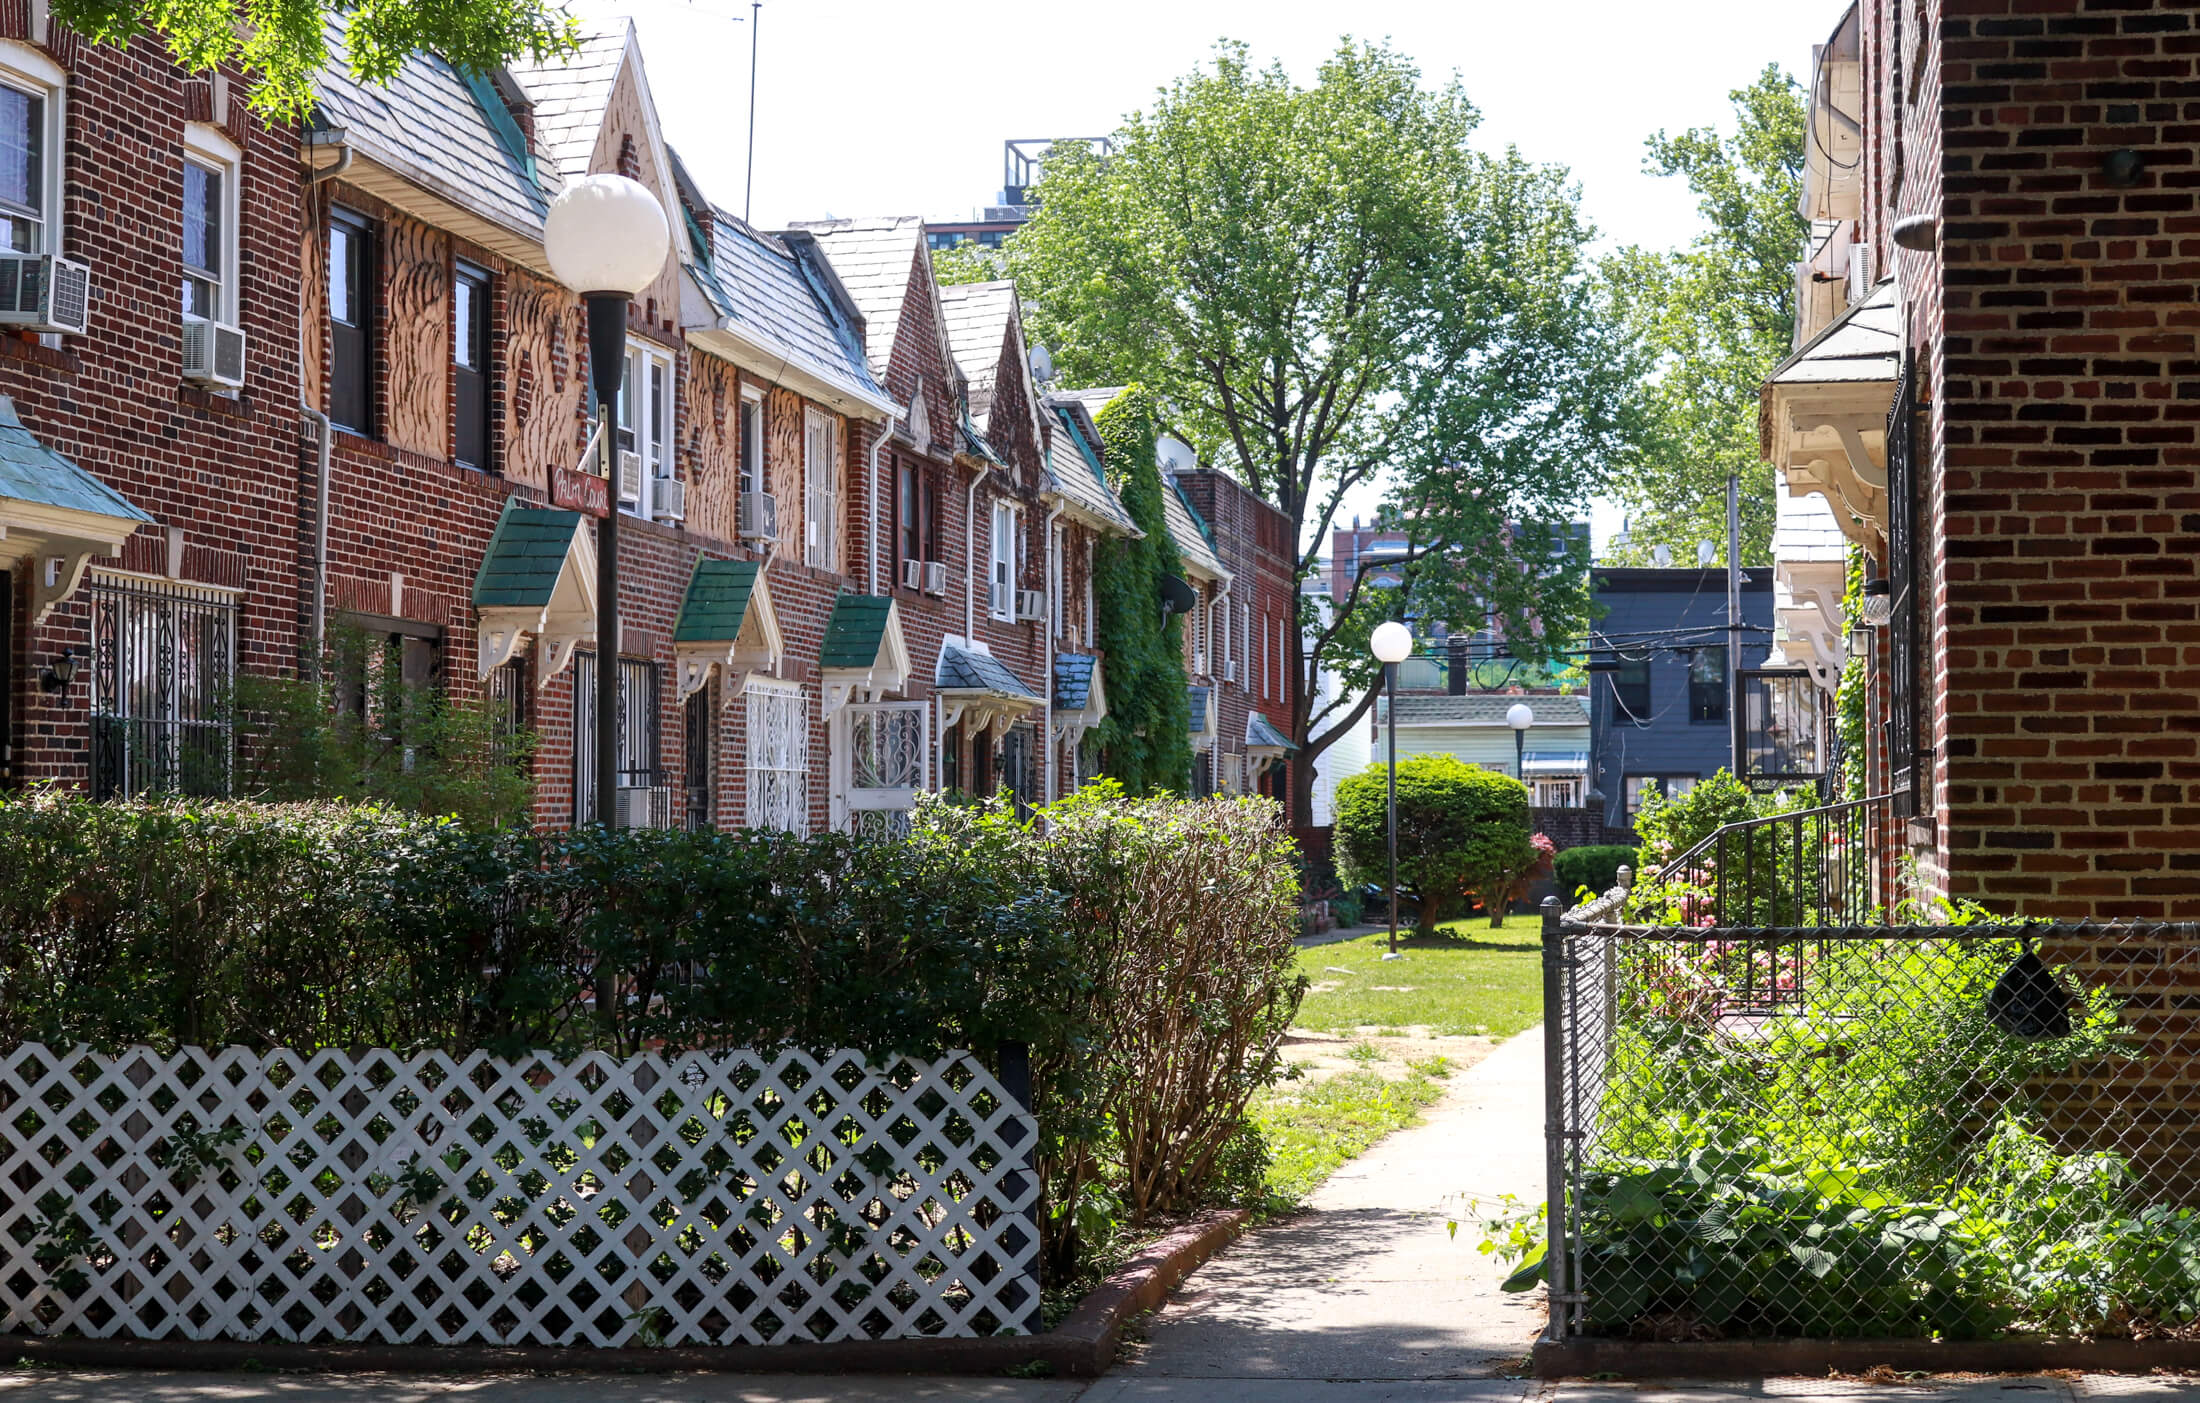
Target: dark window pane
(469,352)
(1707,685)
(202,242)
(351,314)
(22,166)
(1631,692)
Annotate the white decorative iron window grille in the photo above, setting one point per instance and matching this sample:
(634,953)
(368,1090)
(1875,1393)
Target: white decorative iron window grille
(779,757)
(367,1196)
(163,658)
(820,502)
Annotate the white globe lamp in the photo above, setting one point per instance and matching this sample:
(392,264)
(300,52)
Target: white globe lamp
(1520,716)
(606,234)
(1392,642)
(607,239)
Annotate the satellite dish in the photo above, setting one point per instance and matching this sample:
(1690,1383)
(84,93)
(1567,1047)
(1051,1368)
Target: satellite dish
(1042,364)
(1177,597)
(1705,552)
(1663,555)
(1174,454)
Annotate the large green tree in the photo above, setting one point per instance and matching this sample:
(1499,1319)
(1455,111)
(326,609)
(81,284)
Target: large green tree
(283,44)
(1329,289)
(1717,316)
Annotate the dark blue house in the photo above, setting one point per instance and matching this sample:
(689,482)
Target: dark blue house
(1658,696)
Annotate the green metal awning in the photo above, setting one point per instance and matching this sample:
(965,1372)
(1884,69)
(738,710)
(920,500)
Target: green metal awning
(537,580)
(54,512)
(726,620)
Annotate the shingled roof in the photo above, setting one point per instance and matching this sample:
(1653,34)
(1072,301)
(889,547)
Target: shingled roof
(32,472)
(571,95)
(717,601)
(761,286)
(1487,709)
(433,124)
(1073,680)
(1073,468)
(856,631)
(525,556)
(977,317)
(1190,534)
(874,258)
(967,670)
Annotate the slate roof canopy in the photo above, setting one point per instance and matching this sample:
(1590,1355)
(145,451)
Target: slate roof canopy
(525,557)
(32,472)
(856,631)
(763,288)
(1486,709)
(966,669)
(1073,680)
(717,601)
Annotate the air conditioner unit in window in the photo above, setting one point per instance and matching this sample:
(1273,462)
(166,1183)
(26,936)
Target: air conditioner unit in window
(45,293)
(1230,670)
(213,354)
(645,806)
(672,498)
(630,476)
(1031,605)
(912,574)
(759,516)
(935,577)
(999,600)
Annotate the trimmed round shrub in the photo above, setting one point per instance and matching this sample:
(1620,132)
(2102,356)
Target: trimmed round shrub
(1461,831)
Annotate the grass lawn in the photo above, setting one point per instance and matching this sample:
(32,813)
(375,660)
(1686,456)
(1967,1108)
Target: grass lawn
(1314,1126)
(1471,980)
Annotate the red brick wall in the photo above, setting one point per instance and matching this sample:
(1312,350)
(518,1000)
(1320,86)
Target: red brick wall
(2069,620)
(223,470)
(1254,541)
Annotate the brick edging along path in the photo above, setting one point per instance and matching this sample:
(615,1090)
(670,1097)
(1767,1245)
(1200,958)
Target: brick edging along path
(1082,1346)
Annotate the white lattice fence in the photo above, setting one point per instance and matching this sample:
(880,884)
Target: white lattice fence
(431,1199)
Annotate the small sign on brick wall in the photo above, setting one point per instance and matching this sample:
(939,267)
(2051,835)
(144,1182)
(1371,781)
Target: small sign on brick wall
(577,491)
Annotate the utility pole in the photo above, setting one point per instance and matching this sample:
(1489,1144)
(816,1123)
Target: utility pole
(748,180)
(1735,723)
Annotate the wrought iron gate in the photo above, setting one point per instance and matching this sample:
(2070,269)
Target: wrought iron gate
(163,660)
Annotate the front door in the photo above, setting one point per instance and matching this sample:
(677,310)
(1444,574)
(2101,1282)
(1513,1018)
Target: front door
(878,765)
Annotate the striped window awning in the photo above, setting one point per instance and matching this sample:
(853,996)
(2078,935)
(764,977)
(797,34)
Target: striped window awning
(1556,762)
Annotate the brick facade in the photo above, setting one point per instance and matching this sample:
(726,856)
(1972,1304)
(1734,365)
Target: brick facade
(1254,542)
(219,472)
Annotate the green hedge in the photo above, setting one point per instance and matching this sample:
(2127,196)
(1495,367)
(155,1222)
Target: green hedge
(1596,868)
(1142,949)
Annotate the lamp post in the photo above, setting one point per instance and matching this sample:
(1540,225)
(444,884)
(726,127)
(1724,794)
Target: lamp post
(606,239)
(1520,716)
(1392,644)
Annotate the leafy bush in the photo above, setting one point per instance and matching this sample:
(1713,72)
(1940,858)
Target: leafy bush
(1596,868)
(1143,950)
(1759,887)
(1461,831)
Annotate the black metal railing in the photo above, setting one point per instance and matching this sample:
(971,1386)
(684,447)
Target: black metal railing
(1811,866)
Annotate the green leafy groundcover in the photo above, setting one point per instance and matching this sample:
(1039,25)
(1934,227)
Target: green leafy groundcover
(1877,1159)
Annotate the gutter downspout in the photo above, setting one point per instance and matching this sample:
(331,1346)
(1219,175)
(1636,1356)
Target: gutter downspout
(970,560)
(1046,676)
(327,435)
(870,566)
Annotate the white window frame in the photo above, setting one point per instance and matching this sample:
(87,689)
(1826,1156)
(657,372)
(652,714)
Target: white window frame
(653,433)
(820,502)
(27,70)
(1218,641)
(772,703)
(1001,572)
(749,426)
(1057,563)
(206,147)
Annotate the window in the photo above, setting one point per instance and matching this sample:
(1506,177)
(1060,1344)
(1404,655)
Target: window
(909,509)
(752,442)
(820,503)
(1639,788)
(163,659)
(351,322)
(779,756)
(637,723)
(645,428)
(1558,793)
(696,756)
(210,165)
(510,693)
(1631,692)
(30,141)
(1707,685)
(1001,602)
(1218,637)
(1019,773)
(470,366)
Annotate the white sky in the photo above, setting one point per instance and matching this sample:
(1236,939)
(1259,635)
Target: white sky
(890,107)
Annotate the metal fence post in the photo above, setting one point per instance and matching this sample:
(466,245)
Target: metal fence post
(1555,1024)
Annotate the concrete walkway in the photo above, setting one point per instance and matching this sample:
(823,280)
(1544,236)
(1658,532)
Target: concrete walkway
(1368,1285)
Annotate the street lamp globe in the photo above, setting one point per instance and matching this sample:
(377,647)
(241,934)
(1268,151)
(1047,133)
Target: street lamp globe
(606,234)
(1392,642)
(1520,716)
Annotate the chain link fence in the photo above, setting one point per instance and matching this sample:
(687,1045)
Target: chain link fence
(1949,1132)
